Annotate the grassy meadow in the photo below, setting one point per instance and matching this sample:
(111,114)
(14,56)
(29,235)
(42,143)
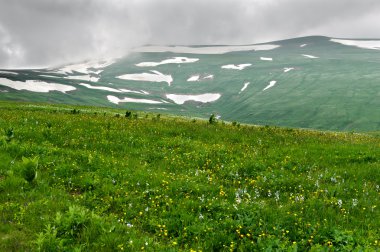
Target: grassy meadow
(98,179)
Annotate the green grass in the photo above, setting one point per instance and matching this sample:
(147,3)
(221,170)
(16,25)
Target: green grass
(92,181)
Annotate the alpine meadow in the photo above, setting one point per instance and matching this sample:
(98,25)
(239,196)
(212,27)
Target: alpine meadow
(194,126)
(98,179)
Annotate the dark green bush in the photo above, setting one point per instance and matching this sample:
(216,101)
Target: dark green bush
(29,168)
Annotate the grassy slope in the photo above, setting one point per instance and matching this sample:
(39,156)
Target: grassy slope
(112,183)
(338,91)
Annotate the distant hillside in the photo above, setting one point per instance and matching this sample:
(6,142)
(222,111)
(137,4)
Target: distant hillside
(310,82)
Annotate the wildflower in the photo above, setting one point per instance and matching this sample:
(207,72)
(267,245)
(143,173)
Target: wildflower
(201,216)
(340,203)
(257,193)
(277,196)
(355,202)
(129,225)
(202,199)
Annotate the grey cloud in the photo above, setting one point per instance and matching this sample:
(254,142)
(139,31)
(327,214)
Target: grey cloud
(50,32)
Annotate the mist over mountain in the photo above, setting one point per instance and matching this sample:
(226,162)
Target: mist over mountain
(42,33)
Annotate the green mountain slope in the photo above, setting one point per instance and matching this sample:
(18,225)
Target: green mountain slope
(316,83)
(93,181)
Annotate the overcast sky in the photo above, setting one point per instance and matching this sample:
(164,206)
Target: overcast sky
(50,32)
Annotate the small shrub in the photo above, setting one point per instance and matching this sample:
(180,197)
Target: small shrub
(9,135)
(75,230)
(29,168)
(75,111)
(235,124)
(212,119)
(128,114)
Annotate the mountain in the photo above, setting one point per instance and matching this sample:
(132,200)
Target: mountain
(310,82)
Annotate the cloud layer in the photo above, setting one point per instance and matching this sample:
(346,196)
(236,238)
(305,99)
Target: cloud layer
(49,32)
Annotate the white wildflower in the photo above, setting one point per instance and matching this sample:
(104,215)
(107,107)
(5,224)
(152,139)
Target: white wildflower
(340,203)
(277,196)
(355,202)
(257,193)
(202,199)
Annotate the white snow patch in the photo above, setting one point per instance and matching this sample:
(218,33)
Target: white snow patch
(85,67)
(266,59)
(310,56)
(244,87)
(83,77)
(8,72)
(206,50)
(165,101)
(144,92)
(287,69)
(271,84)
(303,45)
(116,100)
(133,91)
(198,77)
(155,76)
(159,108)
(101,88)
(367,44)
(121,90)
(236,67)
(36,86)
(193,78)
(97,72)
(175,60)
(49,76)
(204,98)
